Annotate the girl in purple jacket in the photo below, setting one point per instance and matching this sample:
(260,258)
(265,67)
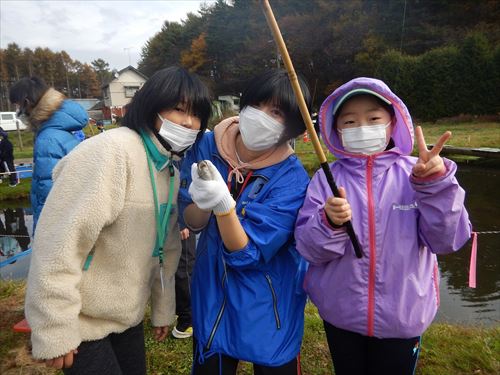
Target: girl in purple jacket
(404,211)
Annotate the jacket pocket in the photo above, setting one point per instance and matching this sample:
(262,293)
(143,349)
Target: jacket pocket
(275,301)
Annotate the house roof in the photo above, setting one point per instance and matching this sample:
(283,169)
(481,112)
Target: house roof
(97,106)
(130,67)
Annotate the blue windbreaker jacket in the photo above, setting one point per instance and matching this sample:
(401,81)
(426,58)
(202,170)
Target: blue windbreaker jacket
(54,140)
(249,304)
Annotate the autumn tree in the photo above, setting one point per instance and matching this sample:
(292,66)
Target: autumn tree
(194,58)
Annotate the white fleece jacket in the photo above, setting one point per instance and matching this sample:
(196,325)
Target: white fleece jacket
(102,200)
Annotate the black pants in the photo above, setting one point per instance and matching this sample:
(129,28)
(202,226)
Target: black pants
(7,166)
(117,354)
(183,281)
(355,354)
(220,364)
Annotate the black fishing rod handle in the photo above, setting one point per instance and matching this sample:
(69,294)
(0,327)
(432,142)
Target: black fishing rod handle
(347,224)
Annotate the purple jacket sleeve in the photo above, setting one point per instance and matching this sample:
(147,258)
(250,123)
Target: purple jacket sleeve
(317,241)
(443,224)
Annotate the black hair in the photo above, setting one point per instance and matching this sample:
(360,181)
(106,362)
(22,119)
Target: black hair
(29,89)
(274,87)
(164,90)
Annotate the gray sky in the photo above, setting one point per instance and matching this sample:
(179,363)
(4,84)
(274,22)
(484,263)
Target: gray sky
(87,30)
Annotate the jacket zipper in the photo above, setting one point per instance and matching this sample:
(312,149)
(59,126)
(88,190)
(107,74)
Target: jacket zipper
(275,302)
(219,316)
(371,236)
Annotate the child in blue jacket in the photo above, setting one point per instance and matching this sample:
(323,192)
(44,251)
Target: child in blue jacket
(247,297)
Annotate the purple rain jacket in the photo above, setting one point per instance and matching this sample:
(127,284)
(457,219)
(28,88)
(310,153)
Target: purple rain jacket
(401,224)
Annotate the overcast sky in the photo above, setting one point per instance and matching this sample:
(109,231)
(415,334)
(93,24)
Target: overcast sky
(112,30)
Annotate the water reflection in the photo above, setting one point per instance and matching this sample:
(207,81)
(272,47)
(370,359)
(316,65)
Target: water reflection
(459,303)
(15,239)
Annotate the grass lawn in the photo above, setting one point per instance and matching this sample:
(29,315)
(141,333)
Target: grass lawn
(447,349)
(20,191)
(480,134)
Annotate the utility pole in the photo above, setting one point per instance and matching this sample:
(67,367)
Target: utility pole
(128,53)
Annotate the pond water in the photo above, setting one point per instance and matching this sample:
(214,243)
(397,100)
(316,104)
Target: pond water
(459,303)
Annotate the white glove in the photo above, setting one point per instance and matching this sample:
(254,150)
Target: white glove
(210,194)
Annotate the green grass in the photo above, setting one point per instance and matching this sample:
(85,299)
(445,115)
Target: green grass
(27,141)
(481,134)
(21,191)
(446,349)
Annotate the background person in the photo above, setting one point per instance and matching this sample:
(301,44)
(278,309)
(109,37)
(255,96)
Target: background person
(7,167)
(53,119)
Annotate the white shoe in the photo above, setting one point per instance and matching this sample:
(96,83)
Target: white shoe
(182,334)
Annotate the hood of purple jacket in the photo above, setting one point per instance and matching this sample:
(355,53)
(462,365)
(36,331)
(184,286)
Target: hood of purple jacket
(402,133)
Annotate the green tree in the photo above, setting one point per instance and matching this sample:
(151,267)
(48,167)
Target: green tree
(101,67)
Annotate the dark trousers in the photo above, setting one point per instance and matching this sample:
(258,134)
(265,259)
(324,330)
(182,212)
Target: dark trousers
(117,354)
(183,282)
(7,166)
(221,364)
(355,354)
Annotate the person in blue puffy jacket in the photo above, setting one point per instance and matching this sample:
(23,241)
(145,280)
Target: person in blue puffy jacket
(54,119)
(247,297)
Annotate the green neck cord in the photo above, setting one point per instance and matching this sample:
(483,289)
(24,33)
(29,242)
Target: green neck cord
(161,223)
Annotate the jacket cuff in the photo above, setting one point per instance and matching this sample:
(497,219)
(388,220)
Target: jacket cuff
(53,344)
(225,206)
(328,223)
(433,177)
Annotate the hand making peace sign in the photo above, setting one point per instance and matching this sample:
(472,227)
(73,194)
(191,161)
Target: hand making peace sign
(429,162)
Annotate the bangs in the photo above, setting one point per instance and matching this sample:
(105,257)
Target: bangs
(271,87)
(194,95)
(165,90)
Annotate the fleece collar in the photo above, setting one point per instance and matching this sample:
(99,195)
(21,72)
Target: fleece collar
(159,156)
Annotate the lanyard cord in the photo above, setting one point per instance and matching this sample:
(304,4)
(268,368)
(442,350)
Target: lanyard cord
(161,222)
(245,182)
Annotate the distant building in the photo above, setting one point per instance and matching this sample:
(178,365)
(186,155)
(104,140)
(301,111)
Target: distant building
(120,91)
(89,105)
(231,102)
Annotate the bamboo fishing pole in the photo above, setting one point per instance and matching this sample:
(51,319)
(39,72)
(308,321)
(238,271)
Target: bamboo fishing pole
(278,38)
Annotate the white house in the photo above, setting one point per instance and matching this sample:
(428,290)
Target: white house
(231,102)
(121,90)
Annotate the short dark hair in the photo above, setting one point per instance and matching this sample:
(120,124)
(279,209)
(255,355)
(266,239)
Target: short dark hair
(164,90)
(274,87)
(28,88)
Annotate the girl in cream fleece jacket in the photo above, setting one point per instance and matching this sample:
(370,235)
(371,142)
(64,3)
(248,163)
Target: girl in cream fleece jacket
(96,255)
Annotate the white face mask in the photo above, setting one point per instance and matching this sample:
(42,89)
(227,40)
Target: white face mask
(259,131)
(366,139)
(177,136)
